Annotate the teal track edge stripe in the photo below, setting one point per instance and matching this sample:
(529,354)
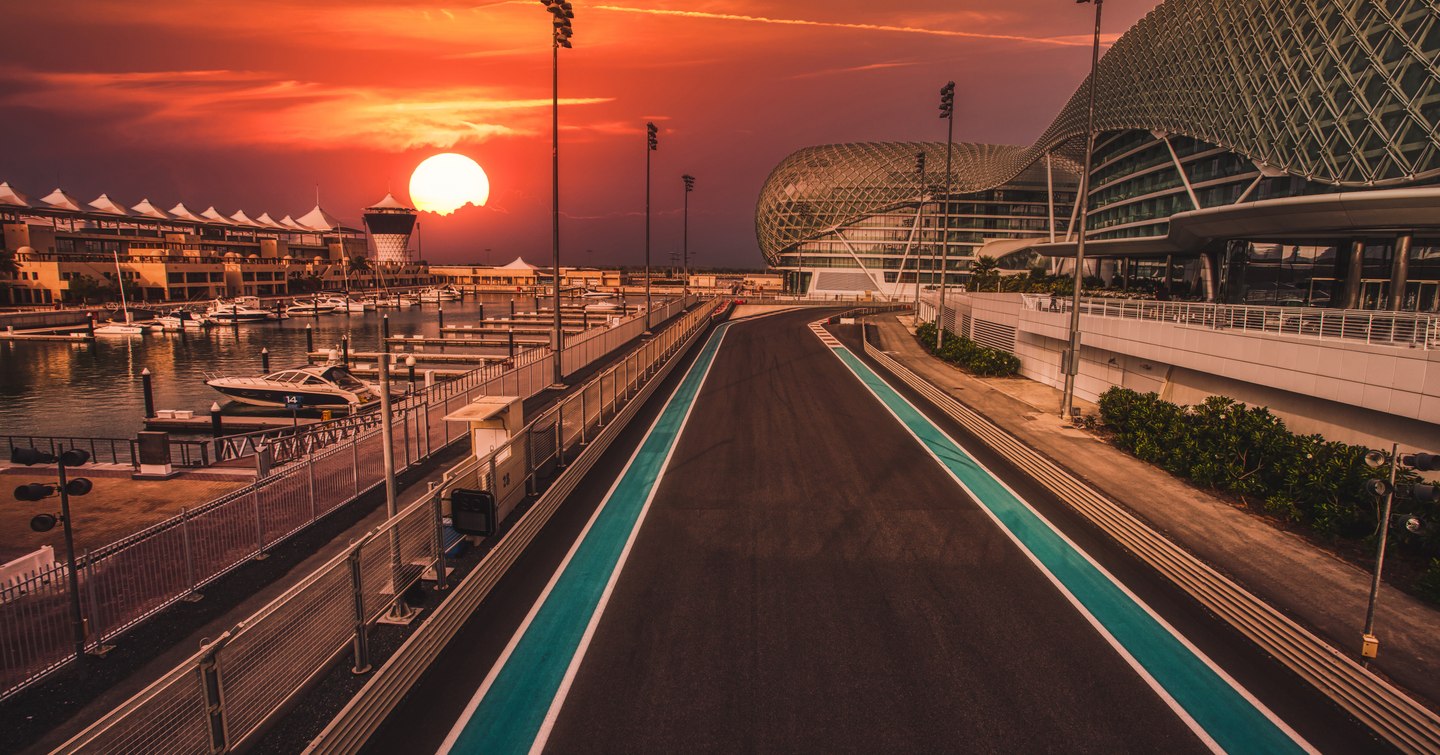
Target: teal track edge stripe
(510,715)
(1224,713)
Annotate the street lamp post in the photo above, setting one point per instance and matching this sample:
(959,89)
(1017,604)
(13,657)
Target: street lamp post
(685,232)
(1385,491)
(947,111)
(652,143)
(562,14)
(73,457)
(1072,360)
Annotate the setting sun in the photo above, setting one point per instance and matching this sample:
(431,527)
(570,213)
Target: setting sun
(446,182)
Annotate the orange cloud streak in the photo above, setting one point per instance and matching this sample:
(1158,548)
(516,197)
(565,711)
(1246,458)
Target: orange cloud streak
(253,108)
(1060,41)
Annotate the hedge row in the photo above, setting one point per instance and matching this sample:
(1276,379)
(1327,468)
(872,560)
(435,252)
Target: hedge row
(961,351)
(1247,451)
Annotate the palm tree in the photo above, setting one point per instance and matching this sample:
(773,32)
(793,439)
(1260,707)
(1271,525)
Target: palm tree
(984,270)
(9,263)
(356,265)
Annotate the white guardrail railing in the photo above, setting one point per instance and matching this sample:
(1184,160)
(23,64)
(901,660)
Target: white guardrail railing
(1374,327)
(1400,719)
(221,698)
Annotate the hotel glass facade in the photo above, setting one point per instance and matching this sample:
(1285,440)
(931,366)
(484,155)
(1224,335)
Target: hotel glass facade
(1246,151)
(850,218)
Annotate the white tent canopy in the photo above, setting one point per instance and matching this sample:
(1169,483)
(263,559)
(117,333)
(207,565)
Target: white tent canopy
(105,204)
(319,220)
(389,203)
(181,212)
(519,263)
(148,210)
(289,222)
(267,221)
(213,215)
(240,218)
(9,197)
(61,201)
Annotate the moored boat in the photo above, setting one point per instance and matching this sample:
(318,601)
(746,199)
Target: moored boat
(324,386)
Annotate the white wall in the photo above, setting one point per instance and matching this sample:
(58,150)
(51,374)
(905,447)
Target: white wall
(1346,390)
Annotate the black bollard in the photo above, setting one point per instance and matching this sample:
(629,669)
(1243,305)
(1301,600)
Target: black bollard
(309,338)
(512,308)
(410,365)
(441,312)
(511,335)
(385,329)
(90,324)
(149,390)
(278,310)
(482,312)
(585,313)
(345,350)
(264,360)
(215,426)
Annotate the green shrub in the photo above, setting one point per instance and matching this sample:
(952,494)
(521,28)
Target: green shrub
(961,351)
(1248,452)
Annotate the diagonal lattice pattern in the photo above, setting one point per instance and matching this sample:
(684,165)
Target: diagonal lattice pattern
(1339,92)
(818,188)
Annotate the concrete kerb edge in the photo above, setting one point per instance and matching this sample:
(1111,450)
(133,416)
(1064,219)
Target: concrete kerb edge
(1400,719)
(368,708)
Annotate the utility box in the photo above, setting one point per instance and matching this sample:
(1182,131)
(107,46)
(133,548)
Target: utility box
(152,451)
(1369,646)
(492,422)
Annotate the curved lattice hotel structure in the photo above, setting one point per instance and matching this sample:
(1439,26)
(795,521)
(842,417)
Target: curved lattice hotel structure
(1270,151)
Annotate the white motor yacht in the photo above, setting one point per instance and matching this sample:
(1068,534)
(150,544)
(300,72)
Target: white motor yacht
(328,386)
(240,309)
(343,305)
(310,308)
(439,294)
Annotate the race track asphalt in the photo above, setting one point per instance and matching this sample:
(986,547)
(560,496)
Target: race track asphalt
(807,579)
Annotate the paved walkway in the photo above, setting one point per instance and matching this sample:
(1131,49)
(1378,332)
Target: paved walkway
(1310,585)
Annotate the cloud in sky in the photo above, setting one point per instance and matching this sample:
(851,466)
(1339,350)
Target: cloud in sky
(253,103)
(246,107)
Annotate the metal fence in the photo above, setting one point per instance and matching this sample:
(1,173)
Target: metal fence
(218,699)
(184,453)
(128,581)
(1382,328)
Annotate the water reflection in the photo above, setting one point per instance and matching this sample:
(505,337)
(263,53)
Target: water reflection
(94,389)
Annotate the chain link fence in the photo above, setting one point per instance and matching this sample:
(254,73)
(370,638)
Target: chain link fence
(219,698)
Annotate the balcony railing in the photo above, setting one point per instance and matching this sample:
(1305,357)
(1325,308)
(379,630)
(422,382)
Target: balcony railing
(1412,329)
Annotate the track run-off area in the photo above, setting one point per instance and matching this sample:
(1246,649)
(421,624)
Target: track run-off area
(786,552)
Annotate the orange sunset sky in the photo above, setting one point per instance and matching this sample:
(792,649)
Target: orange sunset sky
(250,105)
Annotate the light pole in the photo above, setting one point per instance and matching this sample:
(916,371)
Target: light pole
(947,111)
(1072,361)
(1385,491)
(920,220)
(561,13)
(36,491)
(400,612)
(651,144)
(685,232)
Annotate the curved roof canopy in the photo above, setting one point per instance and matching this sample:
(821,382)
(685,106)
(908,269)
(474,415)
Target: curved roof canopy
(1339,93)
(104,204)
(319,220)
(147,210)
(59,200)
(820,188)
(267,221)
(212,215)
(9,197)
(389,203)
(181,212)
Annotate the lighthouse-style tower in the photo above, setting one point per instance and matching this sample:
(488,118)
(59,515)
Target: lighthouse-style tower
(390,224)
